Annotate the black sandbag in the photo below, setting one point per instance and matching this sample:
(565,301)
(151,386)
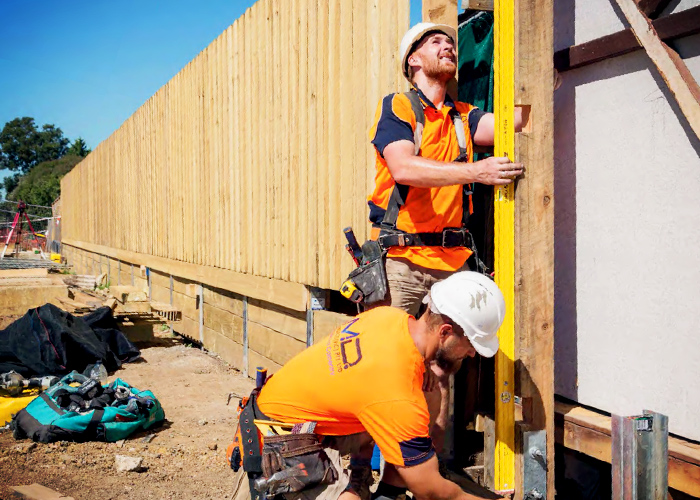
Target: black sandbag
(50,341)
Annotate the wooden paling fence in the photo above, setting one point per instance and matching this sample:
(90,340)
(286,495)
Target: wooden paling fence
(256,154)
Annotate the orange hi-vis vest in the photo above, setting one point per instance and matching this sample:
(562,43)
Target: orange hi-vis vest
(425,210)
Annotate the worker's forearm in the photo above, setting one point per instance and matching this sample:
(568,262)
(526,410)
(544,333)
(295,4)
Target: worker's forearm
(423,172)
(444,386)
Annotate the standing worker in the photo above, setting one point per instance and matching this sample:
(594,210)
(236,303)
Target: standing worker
(363,385)
(423,141)
(418,205)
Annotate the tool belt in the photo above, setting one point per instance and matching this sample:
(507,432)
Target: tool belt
(448,238)
(289,462)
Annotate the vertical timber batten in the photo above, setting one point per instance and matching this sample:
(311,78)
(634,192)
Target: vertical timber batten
(534,228)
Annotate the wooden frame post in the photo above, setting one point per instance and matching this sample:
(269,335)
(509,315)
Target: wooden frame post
(534,229)
(532,220)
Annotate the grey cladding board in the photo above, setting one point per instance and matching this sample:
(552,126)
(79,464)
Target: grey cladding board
(627,242)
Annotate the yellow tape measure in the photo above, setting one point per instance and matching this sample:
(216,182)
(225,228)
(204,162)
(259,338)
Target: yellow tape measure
(504,242)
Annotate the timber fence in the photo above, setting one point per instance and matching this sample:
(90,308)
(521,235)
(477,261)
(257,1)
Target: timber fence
(256,154)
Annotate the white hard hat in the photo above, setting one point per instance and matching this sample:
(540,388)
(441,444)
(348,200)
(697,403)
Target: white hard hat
(416,33)
(475,303)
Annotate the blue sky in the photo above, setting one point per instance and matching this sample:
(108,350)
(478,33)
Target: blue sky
(87,65)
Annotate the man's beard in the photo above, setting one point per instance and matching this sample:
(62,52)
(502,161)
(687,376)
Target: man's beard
(436,69)
(445,362)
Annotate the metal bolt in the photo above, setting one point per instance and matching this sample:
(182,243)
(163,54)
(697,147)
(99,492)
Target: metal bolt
(537,454)
(534,495)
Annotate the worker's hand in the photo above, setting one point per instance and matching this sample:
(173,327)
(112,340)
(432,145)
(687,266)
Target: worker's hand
(496,171)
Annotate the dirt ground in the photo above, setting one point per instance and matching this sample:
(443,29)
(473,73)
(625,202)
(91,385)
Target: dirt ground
(186,457)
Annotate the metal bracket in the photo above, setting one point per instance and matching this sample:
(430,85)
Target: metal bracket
(535,465)
(640,457)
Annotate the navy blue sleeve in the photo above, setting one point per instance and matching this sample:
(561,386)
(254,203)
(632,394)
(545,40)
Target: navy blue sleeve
(390,128)
(474,117)
(417,450)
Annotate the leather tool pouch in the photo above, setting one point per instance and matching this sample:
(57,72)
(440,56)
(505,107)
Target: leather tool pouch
(371,280)
(293,462)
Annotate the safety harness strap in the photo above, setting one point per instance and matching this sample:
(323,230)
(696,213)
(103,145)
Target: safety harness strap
(394,237)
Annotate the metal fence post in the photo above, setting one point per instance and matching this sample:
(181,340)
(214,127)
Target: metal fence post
(640,457)
(245,337)
(200,305)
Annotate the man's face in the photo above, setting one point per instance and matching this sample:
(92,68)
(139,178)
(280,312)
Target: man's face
(452,350)
(436,56)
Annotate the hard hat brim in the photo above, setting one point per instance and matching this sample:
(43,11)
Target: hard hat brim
(487,347)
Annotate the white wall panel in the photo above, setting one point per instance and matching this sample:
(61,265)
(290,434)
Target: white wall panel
(627,241)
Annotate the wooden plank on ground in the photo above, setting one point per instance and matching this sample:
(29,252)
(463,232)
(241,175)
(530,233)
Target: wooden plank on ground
(670,65)
(284,293)
(37,492)
(12,273)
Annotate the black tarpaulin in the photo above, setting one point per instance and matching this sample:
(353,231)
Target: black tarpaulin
(50,341)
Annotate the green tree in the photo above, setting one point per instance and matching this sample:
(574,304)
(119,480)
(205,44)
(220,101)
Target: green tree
(22,145)
(10,182)
(42,184)
(79,148)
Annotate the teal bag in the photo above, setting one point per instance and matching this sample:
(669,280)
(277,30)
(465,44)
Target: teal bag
(89,412)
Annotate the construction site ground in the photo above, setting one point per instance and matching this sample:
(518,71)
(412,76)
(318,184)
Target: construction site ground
(184,459)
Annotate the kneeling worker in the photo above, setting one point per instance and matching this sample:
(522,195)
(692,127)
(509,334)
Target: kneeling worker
(363,384)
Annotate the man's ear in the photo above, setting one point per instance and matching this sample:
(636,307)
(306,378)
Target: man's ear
(413,59)
(445,330)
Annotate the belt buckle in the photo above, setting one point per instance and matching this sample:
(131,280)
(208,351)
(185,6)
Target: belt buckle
(447,232)
(402,240)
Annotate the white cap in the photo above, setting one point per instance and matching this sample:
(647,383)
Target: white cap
(475,303)
(416,33)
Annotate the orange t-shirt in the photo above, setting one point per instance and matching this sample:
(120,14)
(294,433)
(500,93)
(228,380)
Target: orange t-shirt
(367,376)
(427,210)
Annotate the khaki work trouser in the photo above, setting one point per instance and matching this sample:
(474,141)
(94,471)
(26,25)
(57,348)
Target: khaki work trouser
(408,284)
